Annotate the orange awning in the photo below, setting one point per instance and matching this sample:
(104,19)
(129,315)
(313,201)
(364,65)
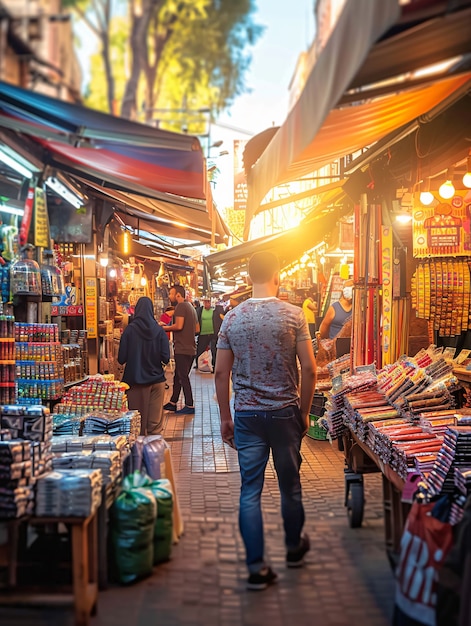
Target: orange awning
(347,130)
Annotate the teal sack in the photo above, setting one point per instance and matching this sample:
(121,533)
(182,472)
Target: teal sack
(163,532)
(132,520)
(163,494)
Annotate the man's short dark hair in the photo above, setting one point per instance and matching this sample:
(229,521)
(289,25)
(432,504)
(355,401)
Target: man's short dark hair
(262,266)
(179,289)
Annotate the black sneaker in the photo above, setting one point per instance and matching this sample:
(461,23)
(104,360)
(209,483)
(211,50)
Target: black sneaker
(261,580)
(186,410)
(170,406)
(295,558)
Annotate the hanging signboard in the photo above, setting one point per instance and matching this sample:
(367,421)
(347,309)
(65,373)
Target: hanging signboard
(91,314)
(386,300)
(41,220)
(240,180)
(444,227)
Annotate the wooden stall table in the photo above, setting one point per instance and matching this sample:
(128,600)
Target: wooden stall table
(360,460)
(84,565)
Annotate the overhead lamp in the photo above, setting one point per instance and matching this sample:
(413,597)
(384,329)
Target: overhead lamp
(65,193)
(403,218)
(12,210)
(426,196)
(113,273)
(467,176)
(15,165)
(103,259)
(143,281)
(447,189)
(126,242)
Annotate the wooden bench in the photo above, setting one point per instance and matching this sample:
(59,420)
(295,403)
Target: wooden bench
(84,550)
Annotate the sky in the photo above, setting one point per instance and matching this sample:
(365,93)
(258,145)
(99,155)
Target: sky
(289,30)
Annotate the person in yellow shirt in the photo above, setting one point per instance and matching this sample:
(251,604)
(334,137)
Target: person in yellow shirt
(310,310)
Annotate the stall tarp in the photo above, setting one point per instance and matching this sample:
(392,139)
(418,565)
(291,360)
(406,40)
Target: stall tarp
(180,218)
(343,54)
(351,128)
(123,154)
(287,246)
(418,36)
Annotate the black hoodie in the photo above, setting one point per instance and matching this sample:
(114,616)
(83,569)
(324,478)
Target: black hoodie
(144,347)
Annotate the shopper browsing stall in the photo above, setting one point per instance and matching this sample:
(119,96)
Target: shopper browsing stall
(144,347)
(338,313)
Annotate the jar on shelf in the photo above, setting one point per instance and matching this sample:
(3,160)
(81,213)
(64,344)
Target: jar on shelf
(25,276)
(52,282)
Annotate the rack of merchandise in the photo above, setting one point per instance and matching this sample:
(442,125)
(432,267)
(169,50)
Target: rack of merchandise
(7,360)
(402,421)
(39,364)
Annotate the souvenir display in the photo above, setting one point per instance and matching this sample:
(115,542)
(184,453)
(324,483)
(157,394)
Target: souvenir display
(68,493)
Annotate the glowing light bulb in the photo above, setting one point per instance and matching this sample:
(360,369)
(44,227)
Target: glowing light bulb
(143,281)
(467,176)
(113,273)
(426,197)
(447,189)
(404,218)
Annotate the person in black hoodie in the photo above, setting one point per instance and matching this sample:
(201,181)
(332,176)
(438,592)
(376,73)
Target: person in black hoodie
(144,347)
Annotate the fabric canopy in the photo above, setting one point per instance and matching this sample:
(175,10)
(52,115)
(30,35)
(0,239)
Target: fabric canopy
(343,54)
(310,136)
(188,220)
(287,246)
(126,155)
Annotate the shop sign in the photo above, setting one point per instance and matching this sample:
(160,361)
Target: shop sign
(240,181)
(70,311)
(443,228)
(91,314)
(41,221)
(386,279)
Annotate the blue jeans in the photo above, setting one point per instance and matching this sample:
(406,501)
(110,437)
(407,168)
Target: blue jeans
(255,434)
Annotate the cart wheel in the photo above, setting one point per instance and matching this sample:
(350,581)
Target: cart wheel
(355,505)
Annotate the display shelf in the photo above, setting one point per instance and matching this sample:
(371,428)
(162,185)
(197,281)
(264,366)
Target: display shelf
(84,564)
(75,382)
(7,362)
(7,339)
(360,460)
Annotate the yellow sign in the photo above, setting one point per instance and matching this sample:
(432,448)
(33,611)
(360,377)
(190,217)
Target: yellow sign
(387,300)
(91,313)
(444,227)
(41,220)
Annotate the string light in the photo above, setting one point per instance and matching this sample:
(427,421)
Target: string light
(447,189)
(126,242)
(467,176)
(426,196)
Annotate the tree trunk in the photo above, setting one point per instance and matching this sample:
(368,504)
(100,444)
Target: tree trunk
(108,73)
(151,73)
(138,42)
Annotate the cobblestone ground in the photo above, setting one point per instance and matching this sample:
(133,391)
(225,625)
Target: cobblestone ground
(346,580)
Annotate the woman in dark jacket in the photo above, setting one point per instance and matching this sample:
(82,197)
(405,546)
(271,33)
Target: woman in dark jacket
(144,347)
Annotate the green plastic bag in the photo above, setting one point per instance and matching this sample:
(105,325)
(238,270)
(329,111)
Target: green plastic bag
(163,494)
(132,519)
(163,532)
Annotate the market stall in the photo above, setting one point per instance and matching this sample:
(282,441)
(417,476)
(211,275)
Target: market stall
(66,463)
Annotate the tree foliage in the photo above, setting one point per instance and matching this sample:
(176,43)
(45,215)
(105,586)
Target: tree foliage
(174,56)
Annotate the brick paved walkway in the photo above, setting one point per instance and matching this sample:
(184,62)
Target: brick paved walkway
(346,580)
